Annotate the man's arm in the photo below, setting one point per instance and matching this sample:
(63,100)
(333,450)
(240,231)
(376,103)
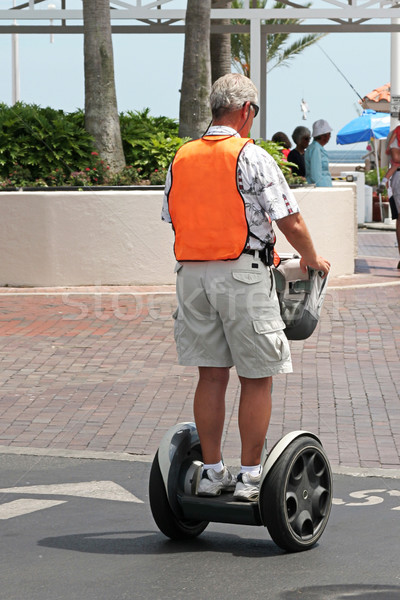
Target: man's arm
(390,140)
(295,230)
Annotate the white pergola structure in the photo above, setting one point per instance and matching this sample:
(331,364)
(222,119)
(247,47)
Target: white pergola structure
(154,16)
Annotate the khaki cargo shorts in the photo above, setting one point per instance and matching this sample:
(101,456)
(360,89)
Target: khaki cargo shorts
(228,315)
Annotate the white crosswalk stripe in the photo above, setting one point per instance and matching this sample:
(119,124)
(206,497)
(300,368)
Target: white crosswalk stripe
(100,490)
(24,506)
(103,490)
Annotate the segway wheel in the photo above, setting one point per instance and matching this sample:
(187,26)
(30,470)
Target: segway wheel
(168,523)
(296,497)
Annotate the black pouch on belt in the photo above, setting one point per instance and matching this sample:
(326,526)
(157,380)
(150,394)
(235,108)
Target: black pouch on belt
(267,255)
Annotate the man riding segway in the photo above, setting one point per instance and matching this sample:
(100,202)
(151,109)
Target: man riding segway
(222,194)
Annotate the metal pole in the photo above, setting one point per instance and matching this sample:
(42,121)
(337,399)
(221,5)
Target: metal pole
(255,67)
(51,7)
(15,65)
(394,84)
(394,73)
(263,89)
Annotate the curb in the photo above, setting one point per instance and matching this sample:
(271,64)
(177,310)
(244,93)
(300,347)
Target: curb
(147,458)
(378,226)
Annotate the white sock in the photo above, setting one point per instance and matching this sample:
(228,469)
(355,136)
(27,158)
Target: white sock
(254,471)
(216,466)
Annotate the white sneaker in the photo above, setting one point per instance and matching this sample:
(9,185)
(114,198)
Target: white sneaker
(213,483)
(247,487)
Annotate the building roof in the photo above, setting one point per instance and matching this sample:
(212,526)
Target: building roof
(378,99)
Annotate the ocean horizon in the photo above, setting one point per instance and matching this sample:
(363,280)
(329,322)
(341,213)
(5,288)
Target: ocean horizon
(347,156)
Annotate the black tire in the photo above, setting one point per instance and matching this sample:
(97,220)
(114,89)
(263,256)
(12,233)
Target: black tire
(168,523)
(296,496)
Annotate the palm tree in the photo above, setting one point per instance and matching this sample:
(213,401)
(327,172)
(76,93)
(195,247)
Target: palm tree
(220,45)
(279,53)
(101,113)
(194,110)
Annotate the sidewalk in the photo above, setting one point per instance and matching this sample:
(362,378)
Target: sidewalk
(95,369)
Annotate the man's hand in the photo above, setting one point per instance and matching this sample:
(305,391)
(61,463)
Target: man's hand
(320,264)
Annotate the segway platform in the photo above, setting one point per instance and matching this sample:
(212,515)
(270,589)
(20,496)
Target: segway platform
(295,491)
(220,509)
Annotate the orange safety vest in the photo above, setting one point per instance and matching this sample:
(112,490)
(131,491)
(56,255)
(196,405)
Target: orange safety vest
(207,210)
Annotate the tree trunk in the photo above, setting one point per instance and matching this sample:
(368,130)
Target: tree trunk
(220,45)
(194,113)
(101,112)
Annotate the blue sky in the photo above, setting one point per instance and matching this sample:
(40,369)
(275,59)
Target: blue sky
(148,71)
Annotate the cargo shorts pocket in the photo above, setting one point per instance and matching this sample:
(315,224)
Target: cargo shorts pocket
(247,276)
(274,341)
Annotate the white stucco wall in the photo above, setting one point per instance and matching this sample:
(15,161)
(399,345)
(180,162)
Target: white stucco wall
(331,217)
(117,238)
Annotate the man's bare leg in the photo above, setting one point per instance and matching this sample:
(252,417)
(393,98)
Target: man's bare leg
(209,410)
(254,416)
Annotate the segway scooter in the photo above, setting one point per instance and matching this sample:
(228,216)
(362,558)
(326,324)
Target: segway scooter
(296,484)
(295,491)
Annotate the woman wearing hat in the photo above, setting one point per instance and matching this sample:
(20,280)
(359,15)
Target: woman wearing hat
(316,157)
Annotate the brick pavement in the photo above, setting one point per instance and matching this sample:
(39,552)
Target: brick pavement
(97,371)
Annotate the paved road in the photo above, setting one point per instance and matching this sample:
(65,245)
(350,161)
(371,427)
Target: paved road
(99,542)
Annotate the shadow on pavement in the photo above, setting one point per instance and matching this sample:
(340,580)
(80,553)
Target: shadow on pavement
(148,542)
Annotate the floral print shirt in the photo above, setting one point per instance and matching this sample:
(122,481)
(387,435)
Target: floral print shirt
(264,189)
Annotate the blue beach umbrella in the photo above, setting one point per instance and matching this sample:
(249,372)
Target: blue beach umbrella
(369,125)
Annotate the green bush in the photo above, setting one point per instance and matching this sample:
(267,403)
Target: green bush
(153,153)
(275,150)
(47,147)
(41,141)
(141,125)
(127,176)
(149,143)
(158,177)
(371,177)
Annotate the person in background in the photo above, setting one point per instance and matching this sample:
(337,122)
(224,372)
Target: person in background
(222,194)
(316,157)
(393,150)
(281,138)
(301,137)
(394,201)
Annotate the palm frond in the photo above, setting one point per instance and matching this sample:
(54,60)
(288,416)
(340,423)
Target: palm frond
(274,42)
(278,52)
(288,53)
